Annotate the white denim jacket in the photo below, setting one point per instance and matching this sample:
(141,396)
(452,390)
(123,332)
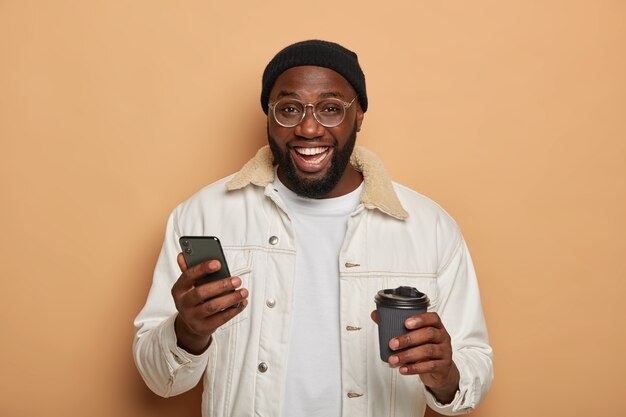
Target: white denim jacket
(394,237)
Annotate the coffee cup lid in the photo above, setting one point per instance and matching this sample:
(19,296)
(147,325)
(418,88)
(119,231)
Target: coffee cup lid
(402,297)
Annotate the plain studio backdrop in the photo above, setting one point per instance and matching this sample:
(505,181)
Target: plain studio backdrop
(510,114)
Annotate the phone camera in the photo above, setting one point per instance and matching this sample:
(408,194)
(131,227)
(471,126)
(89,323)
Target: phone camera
(185,243)
(188,251)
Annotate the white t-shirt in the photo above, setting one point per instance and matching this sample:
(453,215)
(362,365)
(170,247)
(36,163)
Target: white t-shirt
(313,380)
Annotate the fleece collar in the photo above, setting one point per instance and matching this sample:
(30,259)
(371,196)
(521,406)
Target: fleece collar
(377,192)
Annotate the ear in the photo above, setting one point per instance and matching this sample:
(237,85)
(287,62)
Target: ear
(359,117)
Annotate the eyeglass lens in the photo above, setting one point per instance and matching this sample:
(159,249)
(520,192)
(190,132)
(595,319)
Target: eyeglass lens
(329,112)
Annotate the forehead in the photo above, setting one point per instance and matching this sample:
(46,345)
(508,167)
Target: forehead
(312,81)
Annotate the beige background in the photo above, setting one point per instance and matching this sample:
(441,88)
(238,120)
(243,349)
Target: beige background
(508,113)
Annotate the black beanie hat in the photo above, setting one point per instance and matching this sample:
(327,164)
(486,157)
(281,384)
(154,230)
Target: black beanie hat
(320,54)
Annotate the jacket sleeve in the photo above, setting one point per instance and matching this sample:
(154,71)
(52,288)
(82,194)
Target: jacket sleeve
(166,368)
(461,313)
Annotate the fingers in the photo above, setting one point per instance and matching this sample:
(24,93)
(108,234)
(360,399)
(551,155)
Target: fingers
(432,359)
(422,353)
(424,320)
(189,276)
(203,309)
(208,325)
(432,368)
(418,337)
(425,349)
(427,329)
(198,271)
(194,296)
(223,317)
(374,316)
(181,262)
(205,317)
(221,303)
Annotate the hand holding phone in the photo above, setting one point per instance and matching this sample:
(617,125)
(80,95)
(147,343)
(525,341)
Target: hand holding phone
(206,297)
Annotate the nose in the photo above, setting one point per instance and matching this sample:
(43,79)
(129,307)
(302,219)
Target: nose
(309,128)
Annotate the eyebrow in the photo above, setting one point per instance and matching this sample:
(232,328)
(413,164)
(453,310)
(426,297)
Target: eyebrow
(336,94)
(284,93)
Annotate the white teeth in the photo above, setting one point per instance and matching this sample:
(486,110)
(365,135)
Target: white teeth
(312,151)
(317,160)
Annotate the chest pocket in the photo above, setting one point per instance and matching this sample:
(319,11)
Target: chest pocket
(240,265)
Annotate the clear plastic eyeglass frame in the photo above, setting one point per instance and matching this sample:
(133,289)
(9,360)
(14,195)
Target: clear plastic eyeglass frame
(344,104)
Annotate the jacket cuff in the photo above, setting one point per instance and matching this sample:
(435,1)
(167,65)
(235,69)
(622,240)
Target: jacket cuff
(175,356)
(465,399)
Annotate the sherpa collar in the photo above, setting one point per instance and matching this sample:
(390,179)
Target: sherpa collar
(377,192)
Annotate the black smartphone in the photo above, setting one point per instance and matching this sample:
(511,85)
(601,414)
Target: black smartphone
(198,249)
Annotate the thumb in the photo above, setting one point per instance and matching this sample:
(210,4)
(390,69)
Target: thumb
(374,316)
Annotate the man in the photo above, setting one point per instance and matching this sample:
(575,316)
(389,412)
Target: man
(312,229)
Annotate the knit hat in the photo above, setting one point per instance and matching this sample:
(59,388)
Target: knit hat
(320,54)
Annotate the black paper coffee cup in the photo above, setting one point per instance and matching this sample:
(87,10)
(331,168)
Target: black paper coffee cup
(394,306)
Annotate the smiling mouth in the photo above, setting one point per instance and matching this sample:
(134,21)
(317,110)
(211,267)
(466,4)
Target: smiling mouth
(311,160)
(312,156)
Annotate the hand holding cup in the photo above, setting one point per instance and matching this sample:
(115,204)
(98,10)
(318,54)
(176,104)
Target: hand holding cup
(416,340)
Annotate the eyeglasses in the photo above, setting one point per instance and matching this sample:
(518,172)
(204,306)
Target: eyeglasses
(290,112)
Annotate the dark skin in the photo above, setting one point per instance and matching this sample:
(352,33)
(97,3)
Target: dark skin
(201,311)
(309,84)
(428,354)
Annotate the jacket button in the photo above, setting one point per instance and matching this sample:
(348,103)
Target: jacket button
(273,240)
(262,367)
(270,302)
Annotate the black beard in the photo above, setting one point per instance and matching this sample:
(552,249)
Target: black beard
(317,188)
